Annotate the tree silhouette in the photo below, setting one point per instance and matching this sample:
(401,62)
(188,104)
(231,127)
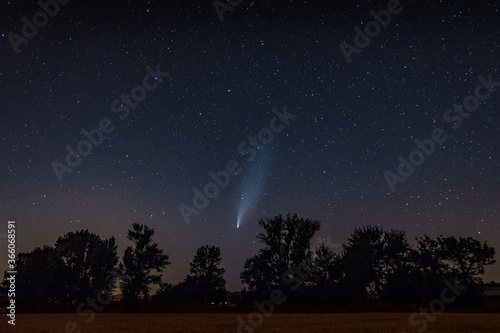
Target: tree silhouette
(37,279)
(466,258)
(88,263)
(374,263)
(140,262)
(447,258)
(205,280)
(287,244)
(370,257)
(431,257)
(404,285)
(325,274)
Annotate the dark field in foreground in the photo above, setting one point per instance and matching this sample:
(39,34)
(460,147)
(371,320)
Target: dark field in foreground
(216,323)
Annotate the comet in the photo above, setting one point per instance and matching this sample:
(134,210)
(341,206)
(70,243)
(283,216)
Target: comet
(251,188)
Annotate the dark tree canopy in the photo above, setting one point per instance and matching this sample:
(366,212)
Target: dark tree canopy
(88,263)
(464,258)
(370,256)
(325,273)
(326,267)
(37,278)
(374,264)
(206,279)
(287,242)
(79,266)
(467,258)
(142,263)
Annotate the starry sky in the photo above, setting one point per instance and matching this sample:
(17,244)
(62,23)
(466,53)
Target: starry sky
(220,83)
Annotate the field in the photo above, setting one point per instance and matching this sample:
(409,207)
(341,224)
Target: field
(218,323)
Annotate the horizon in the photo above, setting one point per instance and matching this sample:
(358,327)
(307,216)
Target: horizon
(183,268)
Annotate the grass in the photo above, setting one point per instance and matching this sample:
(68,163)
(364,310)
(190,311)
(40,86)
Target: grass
(218,323)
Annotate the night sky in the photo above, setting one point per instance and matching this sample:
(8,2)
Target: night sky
(220,83)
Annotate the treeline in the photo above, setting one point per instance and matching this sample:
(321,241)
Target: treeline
(373,264)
